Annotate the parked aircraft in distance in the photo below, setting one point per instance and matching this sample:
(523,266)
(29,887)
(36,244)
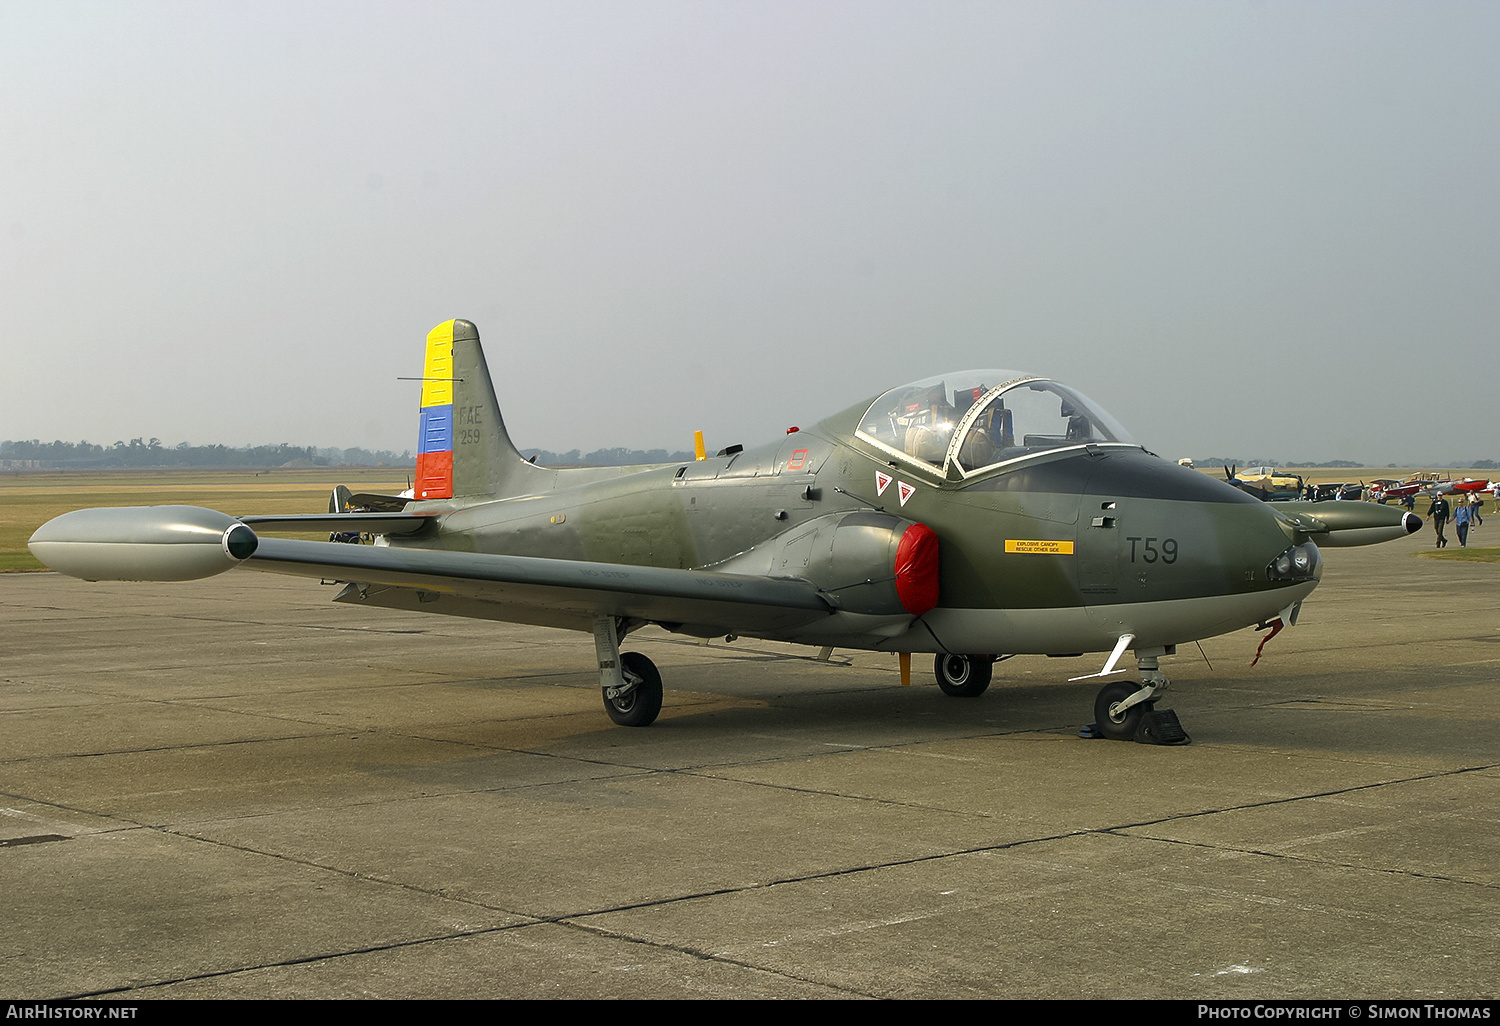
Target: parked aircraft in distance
(1383,489)
(1266,483)
(1336,491)
(968,516)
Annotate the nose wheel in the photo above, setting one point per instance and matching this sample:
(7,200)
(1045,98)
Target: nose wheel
(1126,711)
(1116,723)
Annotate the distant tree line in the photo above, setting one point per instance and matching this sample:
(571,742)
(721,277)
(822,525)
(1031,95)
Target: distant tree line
(1226,461)
(1230,461)
(150,452)
(605,457)
(142,452)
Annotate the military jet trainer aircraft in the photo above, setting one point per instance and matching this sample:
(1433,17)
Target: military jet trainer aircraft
(970,516)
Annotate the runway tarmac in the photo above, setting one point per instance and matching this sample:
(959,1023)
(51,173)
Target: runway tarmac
(235,788)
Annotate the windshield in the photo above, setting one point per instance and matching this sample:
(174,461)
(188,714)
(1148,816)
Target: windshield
(978,419)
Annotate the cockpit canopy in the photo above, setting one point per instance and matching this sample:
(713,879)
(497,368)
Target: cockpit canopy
(975,420)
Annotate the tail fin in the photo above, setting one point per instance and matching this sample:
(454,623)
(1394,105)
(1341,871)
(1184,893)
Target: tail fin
(463,449)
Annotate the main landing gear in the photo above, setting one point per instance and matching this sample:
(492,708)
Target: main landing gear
(639,701)
(631,682)
(962,676)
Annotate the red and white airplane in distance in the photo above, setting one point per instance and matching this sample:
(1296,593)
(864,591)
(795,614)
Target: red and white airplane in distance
(1384,489)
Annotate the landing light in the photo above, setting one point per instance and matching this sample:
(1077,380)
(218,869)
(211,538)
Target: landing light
(1297,563)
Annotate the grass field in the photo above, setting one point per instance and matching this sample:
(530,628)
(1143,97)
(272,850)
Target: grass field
(1470,555)
(29,499)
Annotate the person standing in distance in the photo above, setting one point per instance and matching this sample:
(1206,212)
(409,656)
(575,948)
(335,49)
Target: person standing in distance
(1438,513)
(1461,521)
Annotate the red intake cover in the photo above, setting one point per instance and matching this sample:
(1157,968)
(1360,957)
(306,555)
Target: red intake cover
(917,569)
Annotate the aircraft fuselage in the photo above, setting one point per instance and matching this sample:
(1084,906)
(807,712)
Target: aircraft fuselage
(1061,553)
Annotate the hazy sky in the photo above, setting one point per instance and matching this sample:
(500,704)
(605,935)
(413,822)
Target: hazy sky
(1252,229)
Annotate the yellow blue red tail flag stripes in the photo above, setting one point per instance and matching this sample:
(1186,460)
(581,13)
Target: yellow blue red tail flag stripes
(435,434)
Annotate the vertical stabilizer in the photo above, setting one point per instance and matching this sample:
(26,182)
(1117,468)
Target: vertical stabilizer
(463,450)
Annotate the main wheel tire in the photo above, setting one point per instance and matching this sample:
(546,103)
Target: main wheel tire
(1119,726)
(639,706)
(962,676)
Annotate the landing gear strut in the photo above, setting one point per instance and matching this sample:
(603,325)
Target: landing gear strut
(631,683)
(962,676)
(1125,711)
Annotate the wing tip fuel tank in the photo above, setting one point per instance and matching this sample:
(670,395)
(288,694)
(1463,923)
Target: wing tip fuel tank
(143,543)
(1346,524)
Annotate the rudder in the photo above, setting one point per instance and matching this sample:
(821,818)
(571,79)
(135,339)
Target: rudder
(463,449)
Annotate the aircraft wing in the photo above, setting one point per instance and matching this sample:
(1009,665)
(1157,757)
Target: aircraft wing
(187,542)
(548,592)
(1342,524)
(353,523)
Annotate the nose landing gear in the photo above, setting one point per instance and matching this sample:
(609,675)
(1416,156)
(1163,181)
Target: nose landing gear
(1125,711)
